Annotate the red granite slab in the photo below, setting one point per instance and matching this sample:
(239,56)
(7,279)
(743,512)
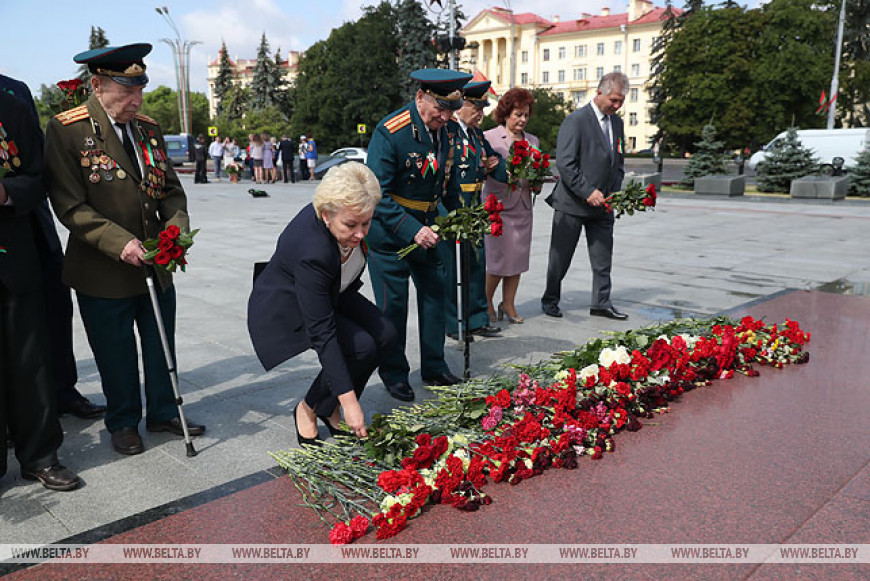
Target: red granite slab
(776,459)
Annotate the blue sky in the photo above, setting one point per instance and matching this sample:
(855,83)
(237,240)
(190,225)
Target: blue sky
(39,38)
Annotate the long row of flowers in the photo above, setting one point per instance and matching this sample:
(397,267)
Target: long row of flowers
(511,427)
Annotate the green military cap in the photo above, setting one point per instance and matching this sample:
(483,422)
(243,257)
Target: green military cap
(444,85)
(122,64)
(475,92)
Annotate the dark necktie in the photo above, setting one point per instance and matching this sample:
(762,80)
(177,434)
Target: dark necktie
(607,137)
(128,147)
(434,135)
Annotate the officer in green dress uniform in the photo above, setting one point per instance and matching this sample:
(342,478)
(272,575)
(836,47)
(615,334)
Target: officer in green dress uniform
(472,161)
(408,153)
(111,184)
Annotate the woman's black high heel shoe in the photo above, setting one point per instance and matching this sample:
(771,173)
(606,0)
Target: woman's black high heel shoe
(333,431)
(315,441)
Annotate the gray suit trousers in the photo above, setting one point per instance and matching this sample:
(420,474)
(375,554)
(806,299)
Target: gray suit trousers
(563,241)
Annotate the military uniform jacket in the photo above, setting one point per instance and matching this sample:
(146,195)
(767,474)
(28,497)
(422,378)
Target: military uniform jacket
(403,157)
(97,195)
(469,148)
(20,267)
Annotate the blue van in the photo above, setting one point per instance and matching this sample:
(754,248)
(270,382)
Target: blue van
(179,148)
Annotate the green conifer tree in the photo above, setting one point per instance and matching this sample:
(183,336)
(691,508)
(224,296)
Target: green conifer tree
(96,40)
(224,81)
(414,35)
(263,85)
(786,161)
(860,173)
(709,158)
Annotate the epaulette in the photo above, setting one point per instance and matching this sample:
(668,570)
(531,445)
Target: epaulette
(401,120)
(73,115)
(145,118)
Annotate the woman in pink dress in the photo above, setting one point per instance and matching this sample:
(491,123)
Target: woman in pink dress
(507,256)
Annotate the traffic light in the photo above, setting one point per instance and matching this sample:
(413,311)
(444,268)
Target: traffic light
(444,45)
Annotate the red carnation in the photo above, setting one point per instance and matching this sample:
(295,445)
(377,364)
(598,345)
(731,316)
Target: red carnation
(173,231)
(495,229)
(359,525)
(340,534)
(162,258)
(517,160)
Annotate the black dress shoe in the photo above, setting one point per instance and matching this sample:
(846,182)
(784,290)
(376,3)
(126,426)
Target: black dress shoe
(455,336)
(174,426)
(445,378)
(55,477)
(332,430)
(487,331)
(315,441)
(609,312)
(83,408)
(401,391)
(551,310)
(127,441)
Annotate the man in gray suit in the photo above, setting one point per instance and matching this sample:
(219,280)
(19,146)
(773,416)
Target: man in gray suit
(589,155)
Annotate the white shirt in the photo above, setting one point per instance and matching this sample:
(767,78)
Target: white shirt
(606,128)
(352,267)
(216,149)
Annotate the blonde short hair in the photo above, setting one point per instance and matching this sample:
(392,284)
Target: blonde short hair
(350,185)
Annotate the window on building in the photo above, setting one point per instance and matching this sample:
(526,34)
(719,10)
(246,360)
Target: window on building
(579,50)
(632,118)
(600,50)
(617,69)
(579,74)
(578,97)
(545,77)
(632,96)
(525,56)
(561,52)
(635,45)
(632,143)
(599,72)
(546,54)
(561,76)
(617,47)
(635,70)
(524,78)
(560,94)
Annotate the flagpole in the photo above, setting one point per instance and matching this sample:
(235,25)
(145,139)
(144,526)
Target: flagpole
(832,108)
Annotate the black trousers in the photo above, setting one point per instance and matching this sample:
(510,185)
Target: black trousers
(199,176)
(288,171)
(27,404)
(365,336)
(563,242)
(303,170)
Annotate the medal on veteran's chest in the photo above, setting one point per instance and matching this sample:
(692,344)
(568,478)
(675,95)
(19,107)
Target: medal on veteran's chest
(95,175)
(121,174)
(89,142)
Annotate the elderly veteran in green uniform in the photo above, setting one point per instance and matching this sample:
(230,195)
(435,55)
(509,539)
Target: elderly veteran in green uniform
(473,160)
(111,185)
(408,153)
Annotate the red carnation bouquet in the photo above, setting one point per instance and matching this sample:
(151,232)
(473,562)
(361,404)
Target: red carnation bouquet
(169,249)
(74,91)
(633,199)
(468,223)
(527,162)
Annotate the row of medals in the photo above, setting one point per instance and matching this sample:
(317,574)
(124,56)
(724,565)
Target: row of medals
(8,151)
(98,160)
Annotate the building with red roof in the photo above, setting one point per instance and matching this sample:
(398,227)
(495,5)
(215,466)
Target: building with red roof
(243,73)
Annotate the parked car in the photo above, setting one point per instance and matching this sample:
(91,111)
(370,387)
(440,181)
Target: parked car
(826,144)
(352,153)
(179,148)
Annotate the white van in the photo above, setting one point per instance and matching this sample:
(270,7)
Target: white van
(826,144)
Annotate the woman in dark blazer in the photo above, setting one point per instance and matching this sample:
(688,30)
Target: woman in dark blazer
(308,297)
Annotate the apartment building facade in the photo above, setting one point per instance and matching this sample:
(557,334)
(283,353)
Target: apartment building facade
(243,74)
(570,57)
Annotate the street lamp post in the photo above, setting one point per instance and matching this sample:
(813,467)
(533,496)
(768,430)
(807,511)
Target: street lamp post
(832,108)
(181,53)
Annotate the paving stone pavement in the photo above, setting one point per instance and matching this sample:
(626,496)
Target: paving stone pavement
(692,256)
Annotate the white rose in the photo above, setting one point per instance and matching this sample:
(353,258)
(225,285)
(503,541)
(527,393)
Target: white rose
(587,372)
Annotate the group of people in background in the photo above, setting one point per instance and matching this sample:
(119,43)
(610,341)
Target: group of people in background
(263,156)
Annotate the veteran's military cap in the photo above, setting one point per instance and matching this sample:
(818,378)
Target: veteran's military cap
(475,92)
(444,85)
(122,64)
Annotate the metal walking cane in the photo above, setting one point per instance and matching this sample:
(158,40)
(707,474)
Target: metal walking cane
(170,363)
(465,274)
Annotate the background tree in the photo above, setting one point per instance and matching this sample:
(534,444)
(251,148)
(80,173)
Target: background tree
(860,184)
(339,85)
(793,63)
(414,33)
(223,83)
(853,102)
(786,161)
(97,39)
(549,111)
(657,91)
(264,84)
(706,76)
(442,29)
(162,105)
(709,158)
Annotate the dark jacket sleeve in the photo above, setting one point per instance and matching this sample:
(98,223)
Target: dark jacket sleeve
(24,185)
(568,157)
